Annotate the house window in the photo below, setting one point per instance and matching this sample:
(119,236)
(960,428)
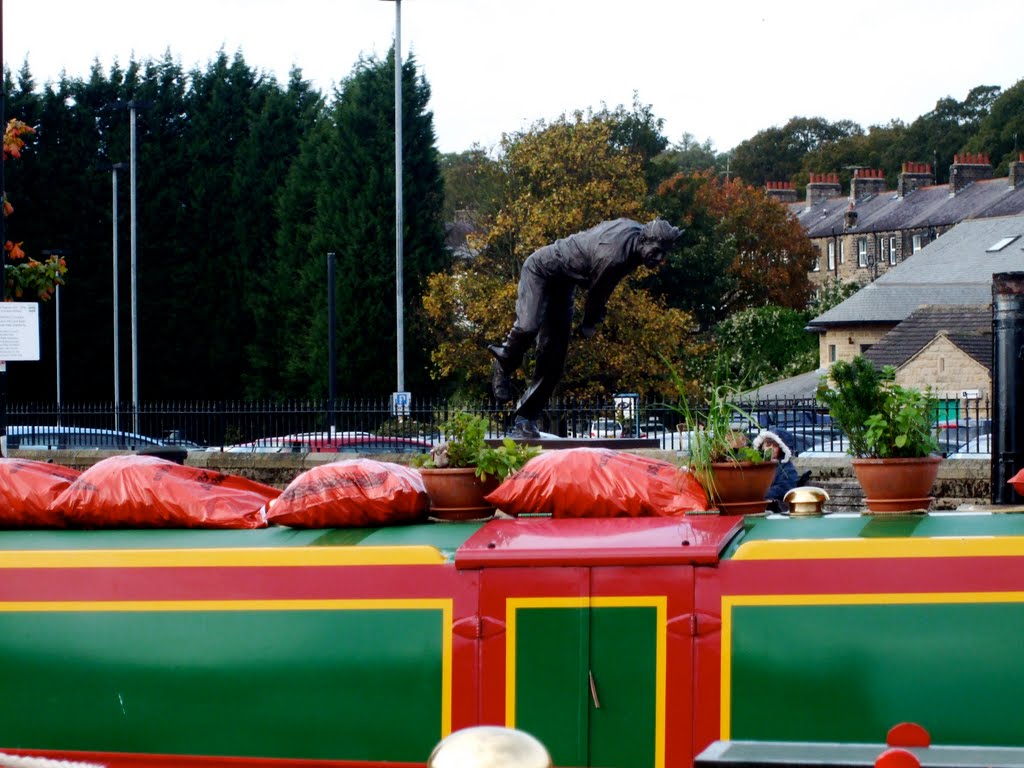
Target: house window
(831,353)
(919,243)
(892,250)
(816,266)
(842,252)
(862,251)
(831,255)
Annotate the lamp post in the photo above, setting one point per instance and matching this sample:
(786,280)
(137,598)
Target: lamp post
(133,106)
(114,168)
(399,286)
(56,305)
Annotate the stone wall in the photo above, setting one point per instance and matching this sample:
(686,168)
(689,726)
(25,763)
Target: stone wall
(848,341)
(946,369)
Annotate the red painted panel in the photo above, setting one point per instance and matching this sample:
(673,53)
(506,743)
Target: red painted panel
(541,541)
(229,582)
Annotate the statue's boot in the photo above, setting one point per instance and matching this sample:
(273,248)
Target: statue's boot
(508,356)
(524,429)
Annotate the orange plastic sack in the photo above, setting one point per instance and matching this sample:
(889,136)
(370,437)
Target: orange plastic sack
(27,489)
(1017,481)
(150,492)
(599,482)
(353,493)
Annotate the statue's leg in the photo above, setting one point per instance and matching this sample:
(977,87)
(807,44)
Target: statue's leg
(531,306)
(552,345)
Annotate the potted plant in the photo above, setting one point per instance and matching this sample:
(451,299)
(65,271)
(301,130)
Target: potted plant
(889,430)
(461,471)
(735,476)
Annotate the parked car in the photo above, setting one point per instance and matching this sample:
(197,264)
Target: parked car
(951,434)
(806,426)
(31,437)
(978,447)
(605,428)
(325,442)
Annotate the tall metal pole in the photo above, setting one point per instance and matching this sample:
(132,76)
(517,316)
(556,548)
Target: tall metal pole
(56,302)
(117,303)
(332,362)
(135,282)
(3,234)
(399,286)
(1007,447)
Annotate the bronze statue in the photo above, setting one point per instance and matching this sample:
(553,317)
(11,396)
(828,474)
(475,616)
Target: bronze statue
(595,259)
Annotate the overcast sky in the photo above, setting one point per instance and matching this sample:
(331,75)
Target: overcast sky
(717,69)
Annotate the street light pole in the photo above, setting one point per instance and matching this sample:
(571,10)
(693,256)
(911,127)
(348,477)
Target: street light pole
(134,278)
(56,306)
(133,106)
(399,225)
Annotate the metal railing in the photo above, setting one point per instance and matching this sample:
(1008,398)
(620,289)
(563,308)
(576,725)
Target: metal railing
(228,422)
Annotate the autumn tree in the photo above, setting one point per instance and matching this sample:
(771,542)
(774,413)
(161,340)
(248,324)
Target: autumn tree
(742,249)
(558,179)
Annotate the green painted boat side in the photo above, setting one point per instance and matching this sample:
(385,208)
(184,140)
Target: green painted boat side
(866,526)
(849,672)
(558,652)
(313,684)
(445,538)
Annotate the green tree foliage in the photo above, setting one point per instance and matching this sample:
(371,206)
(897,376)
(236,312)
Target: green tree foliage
(473,185)
(761,344)
(776,154)
(351,212)
(687,156)
(559,179)
(743,249)
(1000,131)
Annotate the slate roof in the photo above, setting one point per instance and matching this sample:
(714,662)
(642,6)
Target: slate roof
(799,387)
(930,206)
(954,270)
(968,327)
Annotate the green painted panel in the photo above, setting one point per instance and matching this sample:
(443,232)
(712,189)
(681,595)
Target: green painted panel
(552,688)
(354,684)
(623,649)
(446,538)
(868,526)
(849,673)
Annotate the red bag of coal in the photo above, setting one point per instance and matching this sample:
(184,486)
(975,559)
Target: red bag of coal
(353,493)
(150,492)
(27,488)
(599,482)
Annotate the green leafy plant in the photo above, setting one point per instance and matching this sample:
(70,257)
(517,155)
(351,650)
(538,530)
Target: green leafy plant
(880,418)
(466,446)
(714,430)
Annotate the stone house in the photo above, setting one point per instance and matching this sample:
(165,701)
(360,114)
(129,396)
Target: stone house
(930,314)
(863,235)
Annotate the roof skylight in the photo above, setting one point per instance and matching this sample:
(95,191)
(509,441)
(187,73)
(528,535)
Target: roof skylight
(999,245)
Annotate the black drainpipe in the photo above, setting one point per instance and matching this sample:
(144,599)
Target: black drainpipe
(1007,383)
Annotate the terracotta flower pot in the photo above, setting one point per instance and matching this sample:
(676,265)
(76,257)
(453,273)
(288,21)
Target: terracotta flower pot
(897,485)
(458,494)
(740,488)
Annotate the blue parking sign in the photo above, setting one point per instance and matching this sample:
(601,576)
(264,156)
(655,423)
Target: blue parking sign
(400,402)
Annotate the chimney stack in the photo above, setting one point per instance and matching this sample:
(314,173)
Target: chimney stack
(1017,172)
(913,176)
(783,191)
(866,182)
(967,169)
(822,186)
(850,217)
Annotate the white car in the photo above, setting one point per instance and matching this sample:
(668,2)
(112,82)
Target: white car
(605,428)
